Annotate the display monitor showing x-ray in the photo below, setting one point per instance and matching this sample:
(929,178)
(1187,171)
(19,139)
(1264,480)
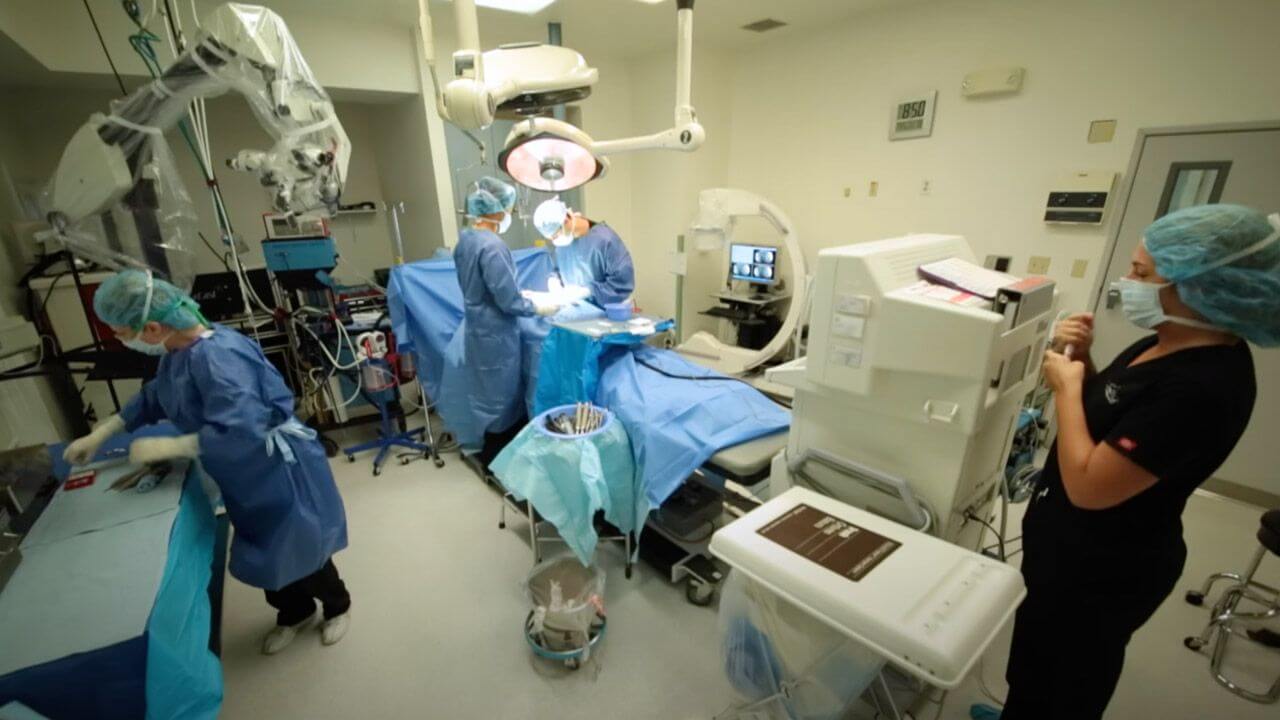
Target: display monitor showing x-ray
(753,263)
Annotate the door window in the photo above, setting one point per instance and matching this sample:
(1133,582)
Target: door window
(1193,183)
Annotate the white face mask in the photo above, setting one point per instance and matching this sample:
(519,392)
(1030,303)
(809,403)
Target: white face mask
(144,347)
(505,224)
(562,239)
(136,343)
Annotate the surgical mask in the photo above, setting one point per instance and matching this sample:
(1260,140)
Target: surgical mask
(137,344)
(562,239)
(1140,301)
(144,347)
(505,224)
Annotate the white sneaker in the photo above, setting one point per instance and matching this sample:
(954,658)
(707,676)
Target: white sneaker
(333,629)
(281,636)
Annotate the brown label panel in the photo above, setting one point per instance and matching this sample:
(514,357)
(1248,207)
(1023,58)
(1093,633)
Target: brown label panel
(837,545)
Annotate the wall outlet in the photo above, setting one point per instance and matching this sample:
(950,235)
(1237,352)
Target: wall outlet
(848,192)
(874,189)
(1079,268)
(1038,265)
(926,187)
(999,263)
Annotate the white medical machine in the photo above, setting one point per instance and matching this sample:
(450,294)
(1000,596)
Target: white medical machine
(927,606)
(756,268)
(907,400)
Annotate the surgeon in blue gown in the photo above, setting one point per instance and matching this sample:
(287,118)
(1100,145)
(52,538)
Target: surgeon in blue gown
(493,305)
(236,416)
(590,257)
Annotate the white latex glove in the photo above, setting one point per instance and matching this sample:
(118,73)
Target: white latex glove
(82,450)
(554,285)
(545,308)
(527,294)
(145,451)
(576,292)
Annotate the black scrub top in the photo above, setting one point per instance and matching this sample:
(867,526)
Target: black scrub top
(1178,417)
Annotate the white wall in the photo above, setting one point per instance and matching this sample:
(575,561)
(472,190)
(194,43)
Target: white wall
(665,185)
(401,146)
(810,114)
(609,113)
(49,117)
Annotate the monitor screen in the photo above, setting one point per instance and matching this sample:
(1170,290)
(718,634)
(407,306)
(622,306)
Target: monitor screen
(753,263)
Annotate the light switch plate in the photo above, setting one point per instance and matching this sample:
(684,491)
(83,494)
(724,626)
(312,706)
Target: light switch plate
(1038,265)
(1079,268)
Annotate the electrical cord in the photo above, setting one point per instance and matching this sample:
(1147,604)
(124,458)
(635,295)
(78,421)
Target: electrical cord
(221,256)
(968,514)
(98,31)
(52,286)
(675,376)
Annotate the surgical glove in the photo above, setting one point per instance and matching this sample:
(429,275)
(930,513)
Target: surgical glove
(545,308)
(576,292)
(554,285)
(145,451)
(82,450)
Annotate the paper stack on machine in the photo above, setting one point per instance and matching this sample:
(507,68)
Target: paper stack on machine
(810,565)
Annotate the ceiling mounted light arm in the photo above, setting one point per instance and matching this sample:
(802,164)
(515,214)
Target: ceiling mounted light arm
(553,156)
(687,134)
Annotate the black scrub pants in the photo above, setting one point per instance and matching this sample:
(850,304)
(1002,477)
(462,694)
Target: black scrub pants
(296,601)
(1069,642)
(495,442)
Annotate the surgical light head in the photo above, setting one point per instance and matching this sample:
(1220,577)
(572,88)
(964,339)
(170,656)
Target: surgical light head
(550,155)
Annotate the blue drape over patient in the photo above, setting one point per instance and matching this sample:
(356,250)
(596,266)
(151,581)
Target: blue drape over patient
(674,424)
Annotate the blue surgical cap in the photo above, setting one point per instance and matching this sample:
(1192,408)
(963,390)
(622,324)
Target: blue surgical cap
(490,196)
(122,300)
(1225,262)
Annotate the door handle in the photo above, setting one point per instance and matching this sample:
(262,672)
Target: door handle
(1113,298)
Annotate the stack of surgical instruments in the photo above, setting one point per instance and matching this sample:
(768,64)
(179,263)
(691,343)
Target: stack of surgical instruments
(586,418)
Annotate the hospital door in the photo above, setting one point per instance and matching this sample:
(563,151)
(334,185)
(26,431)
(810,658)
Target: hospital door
(1179,168)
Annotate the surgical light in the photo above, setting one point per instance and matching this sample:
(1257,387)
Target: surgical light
(531,79)
(550,155)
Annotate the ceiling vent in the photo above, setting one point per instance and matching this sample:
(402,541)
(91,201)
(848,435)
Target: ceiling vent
(765,25)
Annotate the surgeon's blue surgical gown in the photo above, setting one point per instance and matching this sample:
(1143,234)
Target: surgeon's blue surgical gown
(273,473)
(600,262)
(492,307)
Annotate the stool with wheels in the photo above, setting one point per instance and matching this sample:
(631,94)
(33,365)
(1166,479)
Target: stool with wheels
(1227,620)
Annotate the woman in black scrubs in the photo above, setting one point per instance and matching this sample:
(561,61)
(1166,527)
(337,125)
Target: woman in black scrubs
(1102,537)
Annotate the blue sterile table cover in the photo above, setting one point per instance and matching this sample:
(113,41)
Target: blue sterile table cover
(569,478)
(108,614)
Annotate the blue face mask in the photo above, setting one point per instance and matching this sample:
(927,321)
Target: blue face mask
(1140,303)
